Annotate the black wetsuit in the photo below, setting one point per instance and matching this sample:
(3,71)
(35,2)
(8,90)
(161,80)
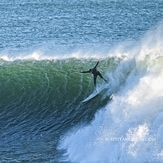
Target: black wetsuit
(95,73)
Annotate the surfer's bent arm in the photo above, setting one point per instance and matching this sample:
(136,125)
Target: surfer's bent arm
(96,64)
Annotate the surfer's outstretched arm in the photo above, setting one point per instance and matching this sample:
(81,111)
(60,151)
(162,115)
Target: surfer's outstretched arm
(84,71)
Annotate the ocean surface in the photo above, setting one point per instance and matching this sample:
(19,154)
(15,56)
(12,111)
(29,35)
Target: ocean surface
(43,45)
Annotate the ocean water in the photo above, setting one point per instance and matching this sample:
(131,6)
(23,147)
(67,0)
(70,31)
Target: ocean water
(43,44)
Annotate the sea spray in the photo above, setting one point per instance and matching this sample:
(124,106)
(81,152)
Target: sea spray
(128,128)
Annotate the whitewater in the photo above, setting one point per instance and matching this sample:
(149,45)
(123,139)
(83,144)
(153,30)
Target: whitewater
(129,128)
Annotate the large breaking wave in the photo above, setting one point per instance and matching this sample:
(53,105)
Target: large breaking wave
(129,128)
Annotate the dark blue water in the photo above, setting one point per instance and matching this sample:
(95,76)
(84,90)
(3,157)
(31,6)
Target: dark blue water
(43,44)
(27,24)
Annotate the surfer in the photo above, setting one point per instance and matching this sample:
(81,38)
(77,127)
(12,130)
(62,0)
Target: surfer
(95,72)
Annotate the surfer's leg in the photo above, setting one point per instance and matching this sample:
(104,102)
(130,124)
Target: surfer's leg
(95,76)
(105,80)
(102,77)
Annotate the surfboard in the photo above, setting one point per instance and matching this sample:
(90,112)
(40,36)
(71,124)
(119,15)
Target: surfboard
(93,95)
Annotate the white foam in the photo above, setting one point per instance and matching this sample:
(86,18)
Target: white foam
(129,129)
(38,55)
